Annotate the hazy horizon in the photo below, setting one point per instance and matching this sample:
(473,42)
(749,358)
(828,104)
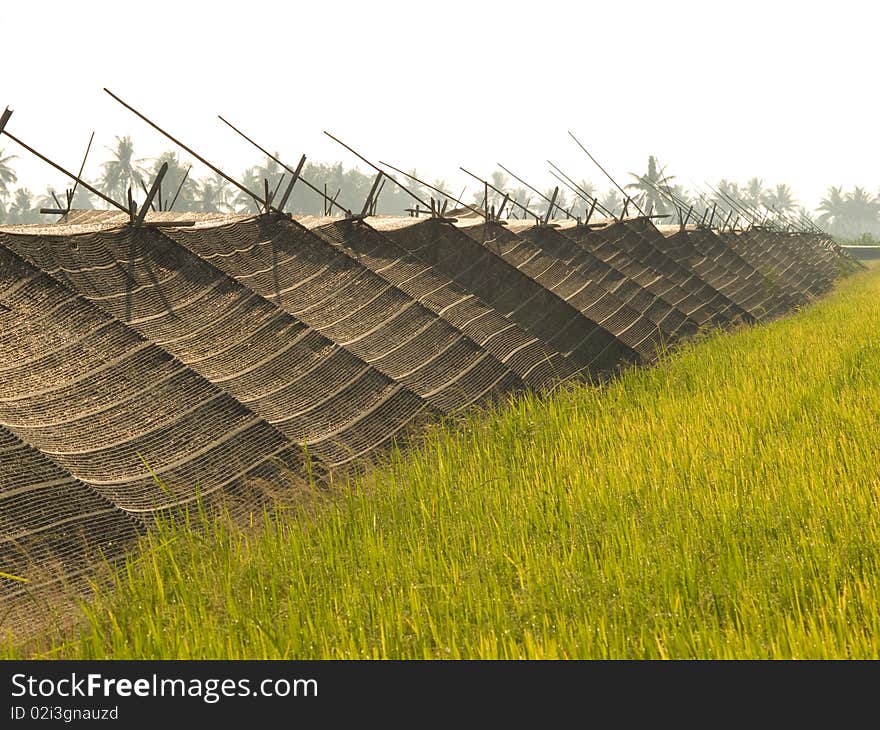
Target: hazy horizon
(744,91)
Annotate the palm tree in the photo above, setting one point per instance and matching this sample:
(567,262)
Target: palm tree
(356,187)
(256,179)
(753,192)
(683,202)
(318,174)
(612,201)
(440,184)
(499,180)
(122,171)
(517,195)
(833,209)
(22,209)
(412,185)
(780,199)
(802,214)
(47,199)
(588,188)
(353,187)
(244,203)
(680,193)
(213,194)
(861,210)
(561,201)
(579,206)
(271,171)
(393,200)
(7,174)
(651,200)
(729,189)
(176,173)
(84,200)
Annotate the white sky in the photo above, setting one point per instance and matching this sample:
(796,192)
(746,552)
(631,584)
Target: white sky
(782,90)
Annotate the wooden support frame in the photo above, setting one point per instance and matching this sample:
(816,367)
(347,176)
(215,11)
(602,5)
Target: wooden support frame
(155,188)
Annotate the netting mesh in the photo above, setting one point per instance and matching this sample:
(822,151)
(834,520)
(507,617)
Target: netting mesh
(537,364)
(354,307)
(512,292)
(101,431)
(53,528)
(742,283)
(574,275)
(314,391)
(683,259)
(118,412)
(792,261)
(673,306)
(706,304)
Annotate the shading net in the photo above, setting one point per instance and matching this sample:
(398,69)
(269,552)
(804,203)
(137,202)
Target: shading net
(516,295)
(534,361)
(730,274)
(602,242)
(104,430)
(557,264)
(790,260)
(622,248)
(671,322)
(639,241)
(118,412)
(318,394)
(706,273)
(355,308)
(53,528)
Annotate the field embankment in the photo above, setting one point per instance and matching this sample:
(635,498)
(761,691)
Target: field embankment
(721,504)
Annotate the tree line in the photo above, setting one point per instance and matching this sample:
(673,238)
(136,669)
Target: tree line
(846,214)
(181,191)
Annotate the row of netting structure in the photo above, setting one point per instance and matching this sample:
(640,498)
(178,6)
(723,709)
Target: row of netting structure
(153,362)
